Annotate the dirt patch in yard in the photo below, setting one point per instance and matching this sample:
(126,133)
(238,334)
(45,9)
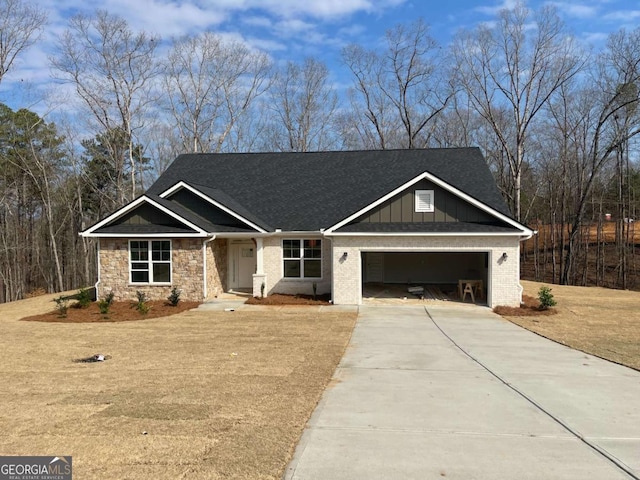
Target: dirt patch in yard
(201,394)
(530,307)
(118,312)
(599,321)
(282,299)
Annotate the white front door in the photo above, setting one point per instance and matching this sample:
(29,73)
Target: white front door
(242,259)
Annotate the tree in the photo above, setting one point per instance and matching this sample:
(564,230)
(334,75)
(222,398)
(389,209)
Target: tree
(20,25)
(30,161)
(517,64)
(211,85)
(112,69)
(399,92)
(304,104)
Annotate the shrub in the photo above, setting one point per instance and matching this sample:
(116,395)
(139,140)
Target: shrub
(546,298)
(84,298)
(314,285)
(174,298)
(105,304)
(262,287)
(62,304)
(141,304)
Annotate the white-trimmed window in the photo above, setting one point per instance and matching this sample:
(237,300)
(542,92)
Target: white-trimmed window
(150,261)
(424,201)
(302,258)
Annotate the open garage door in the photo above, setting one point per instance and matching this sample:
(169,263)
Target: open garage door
(442,275)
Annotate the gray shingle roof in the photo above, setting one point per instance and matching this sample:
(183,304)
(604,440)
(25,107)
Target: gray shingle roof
(310,191)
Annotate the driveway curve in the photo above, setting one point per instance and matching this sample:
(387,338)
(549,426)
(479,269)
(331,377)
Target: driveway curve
(457,392)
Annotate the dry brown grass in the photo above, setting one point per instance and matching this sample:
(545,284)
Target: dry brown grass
(595,320)
(219,394)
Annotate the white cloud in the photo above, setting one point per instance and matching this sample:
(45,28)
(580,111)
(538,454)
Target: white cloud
(622,15)
(494,9)
(575,10)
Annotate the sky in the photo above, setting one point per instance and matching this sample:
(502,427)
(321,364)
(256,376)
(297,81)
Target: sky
(294,29)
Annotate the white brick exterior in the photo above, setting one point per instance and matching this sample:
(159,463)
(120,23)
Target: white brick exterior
(504,276)
(274,269)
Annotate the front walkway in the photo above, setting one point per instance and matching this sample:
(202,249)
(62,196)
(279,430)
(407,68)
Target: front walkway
(457,392)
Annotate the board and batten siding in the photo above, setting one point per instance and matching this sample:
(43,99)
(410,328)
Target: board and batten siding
(448,208)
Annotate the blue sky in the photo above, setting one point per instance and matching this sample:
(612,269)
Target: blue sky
(293,29)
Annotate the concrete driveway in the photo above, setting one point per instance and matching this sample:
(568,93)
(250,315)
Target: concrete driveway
(456,392)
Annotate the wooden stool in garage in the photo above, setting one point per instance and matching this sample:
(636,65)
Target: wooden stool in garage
(468,288)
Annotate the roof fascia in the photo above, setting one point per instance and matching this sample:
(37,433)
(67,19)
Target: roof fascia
(182,184)
(523,230)
(423,234)
(132,206)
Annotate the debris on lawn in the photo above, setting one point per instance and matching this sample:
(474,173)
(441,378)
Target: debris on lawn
(229,309)
(98,357)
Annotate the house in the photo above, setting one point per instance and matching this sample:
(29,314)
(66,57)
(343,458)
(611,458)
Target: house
(291,222)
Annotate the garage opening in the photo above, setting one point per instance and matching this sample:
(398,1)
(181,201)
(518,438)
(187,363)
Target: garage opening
(448,276)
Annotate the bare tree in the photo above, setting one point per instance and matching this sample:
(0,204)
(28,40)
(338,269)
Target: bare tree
(304,104)
(519,64)
(111,68)
(20,25)
(210,85)
(404,85)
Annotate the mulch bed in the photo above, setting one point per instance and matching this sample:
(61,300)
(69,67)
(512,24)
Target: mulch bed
(119,312)
(529,308)
(282,299)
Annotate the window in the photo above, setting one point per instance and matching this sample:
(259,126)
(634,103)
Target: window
(154,268)
(424,201)
(302,258)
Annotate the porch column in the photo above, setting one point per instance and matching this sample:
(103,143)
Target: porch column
(259,278)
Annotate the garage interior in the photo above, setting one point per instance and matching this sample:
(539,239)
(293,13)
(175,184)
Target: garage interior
(425,276)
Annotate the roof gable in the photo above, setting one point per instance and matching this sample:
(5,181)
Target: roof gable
(478,211)
(144,217)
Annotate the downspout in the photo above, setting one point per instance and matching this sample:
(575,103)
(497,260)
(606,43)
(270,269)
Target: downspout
(95,285)
(204,265)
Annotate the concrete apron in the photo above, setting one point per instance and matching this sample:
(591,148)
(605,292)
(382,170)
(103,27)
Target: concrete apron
(457,392)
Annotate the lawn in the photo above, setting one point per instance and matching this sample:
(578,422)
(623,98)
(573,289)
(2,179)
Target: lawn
(595,320)
(200,394)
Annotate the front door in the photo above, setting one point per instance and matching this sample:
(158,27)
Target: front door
(242,266)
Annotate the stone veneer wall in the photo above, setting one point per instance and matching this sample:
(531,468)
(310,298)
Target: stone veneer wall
(187,271)
(217,267)
(504,276)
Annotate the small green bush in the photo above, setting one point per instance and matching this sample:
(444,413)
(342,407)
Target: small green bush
(545,297)
(262,287)
(174,298)
(84,298)
(62,304)
(314,285)
(105,304)
(141,304)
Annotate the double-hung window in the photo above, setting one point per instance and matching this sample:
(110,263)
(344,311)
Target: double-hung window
(302,258)
(150,261)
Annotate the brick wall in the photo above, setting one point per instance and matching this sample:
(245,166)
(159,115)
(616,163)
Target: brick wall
(187,271)
(504,275)
(274,270)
